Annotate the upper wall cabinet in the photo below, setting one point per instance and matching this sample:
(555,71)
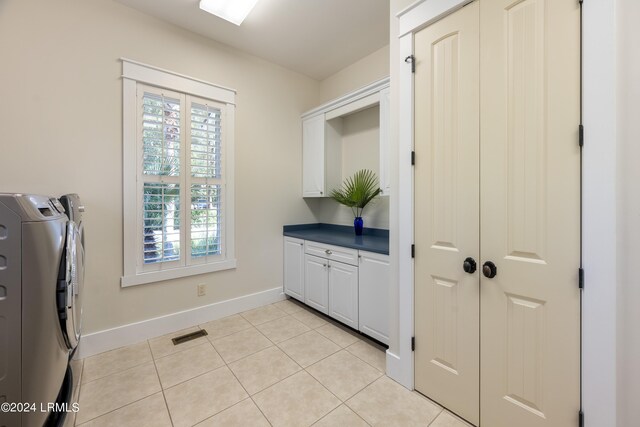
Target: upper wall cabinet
(336,141)
(322,156)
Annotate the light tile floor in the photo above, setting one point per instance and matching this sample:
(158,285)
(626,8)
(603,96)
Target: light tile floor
(281,365)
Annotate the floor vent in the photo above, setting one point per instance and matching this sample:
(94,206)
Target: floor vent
(189,337)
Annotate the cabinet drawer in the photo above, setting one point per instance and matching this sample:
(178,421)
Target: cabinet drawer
(336,253)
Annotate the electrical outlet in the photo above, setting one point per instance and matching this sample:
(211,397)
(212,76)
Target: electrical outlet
(202,290)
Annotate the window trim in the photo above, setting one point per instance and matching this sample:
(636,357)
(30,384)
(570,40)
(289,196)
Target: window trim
(133,73)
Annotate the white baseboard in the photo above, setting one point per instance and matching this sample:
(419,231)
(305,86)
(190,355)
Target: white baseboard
(396,371)
(109,339)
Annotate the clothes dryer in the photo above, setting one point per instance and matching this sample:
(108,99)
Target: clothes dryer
(36,239)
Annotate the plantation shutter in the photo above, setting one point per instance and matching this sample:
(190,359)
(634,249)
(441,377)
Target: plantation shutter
(206,181)
(160,179)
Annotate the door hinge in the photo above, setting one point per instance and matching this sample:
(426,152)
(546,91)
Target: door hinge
(581,278)
(580,413)
(413,158)
(413,251)
(413,343)
(580,135)
(411,60)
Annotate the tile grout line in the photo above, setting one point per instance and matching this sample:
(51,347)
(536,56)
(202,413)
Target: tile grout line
(75,416)
(166,404)
(358,391)
(248,394)
(368,363)
(116,372)
(356,412)
(214,369)
(319,360)
(335,409)
(256,403)
(436,417)
(243,357)
(120,407)
(200,374)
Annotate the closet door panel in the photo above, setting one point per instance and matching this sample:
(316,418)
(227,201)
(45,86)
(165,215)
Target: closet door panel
(530,212)
(447,212)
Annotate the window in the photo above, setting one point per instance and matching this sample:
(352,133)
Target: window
(178,175)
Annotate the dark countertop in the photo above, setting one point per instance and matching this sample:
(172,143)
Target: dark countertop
(372,239)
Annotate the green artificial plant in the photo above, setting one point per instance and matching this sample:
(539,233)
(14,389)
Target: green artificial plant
(357,191)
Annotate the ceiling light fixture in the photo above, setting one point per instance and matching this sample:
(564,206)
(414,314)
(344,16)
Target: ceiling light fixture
(234,11)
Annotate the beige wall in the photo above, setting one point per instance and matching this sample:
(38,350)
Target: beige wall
(372,67)
(61,122)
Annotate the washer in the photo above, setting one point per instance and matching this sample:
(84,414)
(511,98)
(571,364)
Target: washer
(36,240)
(70,308)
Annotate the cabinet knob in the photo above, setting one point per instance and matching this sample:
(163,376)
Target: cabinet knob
(469,265)
(489,269)
(328,252)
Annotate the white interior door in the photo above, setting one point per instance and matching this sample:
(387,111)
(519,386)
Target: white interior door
(447,211)
(530,212)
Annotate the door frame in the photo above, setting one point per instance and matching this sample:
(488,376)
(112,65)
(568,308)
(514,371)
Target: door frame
(599,204)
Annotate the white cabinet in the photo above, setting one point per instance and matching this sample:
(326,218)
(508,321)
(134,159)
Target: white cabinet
(321,156)
(316,283)
(313,157)
(374,275)
(322,139)
(343,293)
(294,268)
(349,285)
(332,286)
(385,118)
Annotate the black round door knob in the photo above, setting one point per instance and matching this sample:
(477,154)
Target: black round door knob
(469,265)
(489,269)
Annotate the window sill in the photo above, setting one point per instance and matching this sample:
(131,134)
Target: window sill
(176,273)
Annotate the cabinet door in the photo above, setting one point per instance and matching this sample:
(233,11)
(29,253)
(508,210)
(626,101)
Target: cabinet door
(343,293)
(373,295)
(313,156)
(316,283)
(294,268)
(385,117)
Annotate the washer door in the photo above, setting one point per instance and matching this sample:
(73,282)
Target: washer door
(78,281)
(70,317)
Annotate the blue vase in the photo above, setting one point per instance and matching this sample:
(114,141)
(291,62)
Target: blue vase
(357,225)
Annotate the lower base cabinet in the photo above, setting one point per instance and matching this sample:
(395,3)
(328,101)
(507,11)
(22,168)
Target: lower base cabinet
(316,283)
(294,268)
(343,293)
(373,295)
(354,292)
